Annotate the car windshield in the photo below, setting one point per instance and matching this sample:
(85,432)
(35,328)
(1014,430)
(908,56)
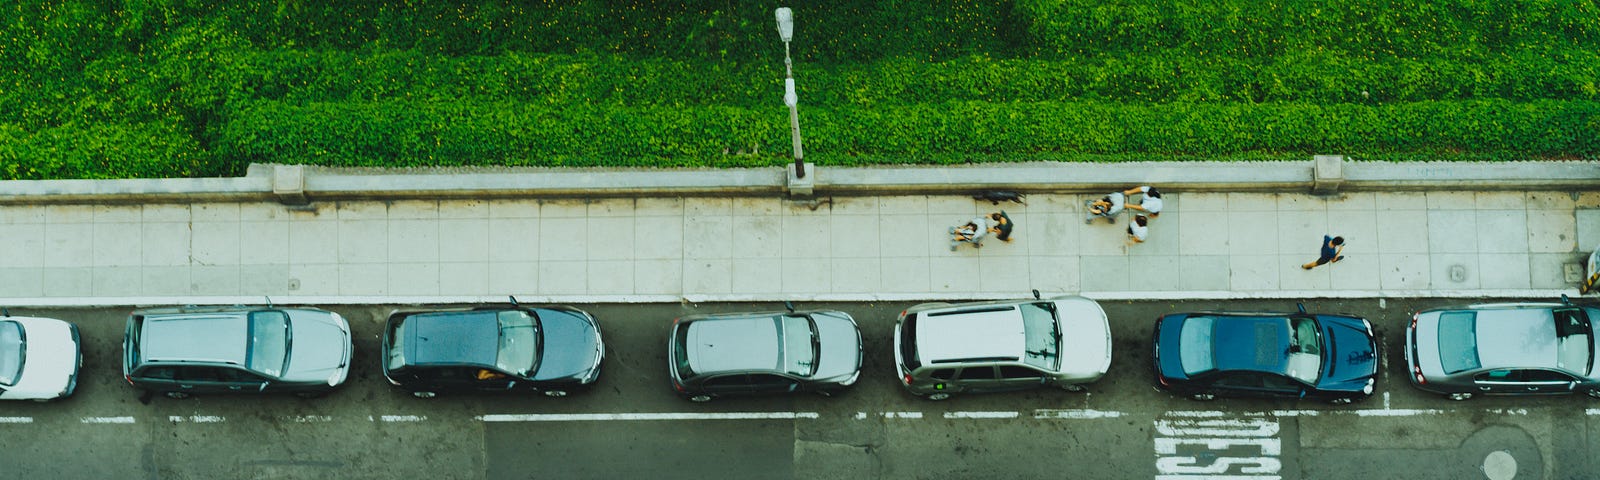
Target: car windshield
(268,348)
(1574,350)
(1043,336)
(13,348)
(519,343)
(1458,341)
(1305,350)
(1195,347)
(680,341)
(800,345)
(397,346)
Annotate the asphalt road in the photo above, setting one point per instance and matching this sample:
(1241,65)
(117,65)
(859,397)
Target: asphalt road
(633,426)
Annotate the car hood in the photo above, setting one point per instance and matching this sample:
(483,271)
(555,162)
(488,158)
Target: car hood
(1085,338)
(1350,358)
(320,348)
(1169,329)
(571,349)
(52,359)
(840,342)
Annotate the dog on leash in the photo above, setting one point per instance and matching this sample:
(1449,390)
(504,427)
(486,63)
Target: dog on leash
(997,196)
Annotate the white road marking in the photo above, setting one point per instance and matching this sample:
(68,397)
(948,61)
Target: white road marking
(196,419)
(1076,414)
(1591,411)
(107,420)
(402,418)
(307,418)
(1398,412)
(16,419)
(599,417)
(902,414)
(981,415)
(1203,444)
(1385,400)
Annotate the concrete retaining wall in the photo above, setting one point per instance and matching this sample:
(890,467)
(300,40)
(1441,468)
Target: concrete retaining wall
(293,184)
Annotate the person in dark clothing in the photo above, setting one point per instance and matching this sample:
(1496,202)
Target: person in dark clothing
(1002,225)
(1331,249)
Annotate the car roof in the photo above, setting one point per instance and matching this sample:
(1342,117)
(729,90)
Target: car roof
(722,344)
(467,337)
(1516,338)
(971,332)
(195,337)
(1250,342)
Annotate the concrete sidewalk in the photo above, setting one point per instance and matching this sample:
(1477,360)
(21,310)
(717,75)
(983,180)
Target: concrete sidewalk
(1204,245)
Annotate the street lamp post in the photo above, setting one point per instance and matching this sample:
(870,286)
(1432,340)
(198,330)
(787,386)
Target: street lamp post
(790,98)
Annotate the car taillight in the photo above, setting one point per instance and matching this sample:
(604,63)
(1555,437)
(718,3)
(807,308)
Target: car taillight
(1163,381)
(676,386)
(1416,372)
(903,313)
(906,379)
(129,378)
(1414,321)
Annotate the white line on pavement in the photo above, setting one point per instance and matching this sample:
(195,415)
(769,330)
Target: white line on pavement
(1076,414)
(597,417)
(16,419)
(307,418)
(401,418)
(1398,412)
(107,420)
(981,415)
(196,419)
(1591,411)
(902,414)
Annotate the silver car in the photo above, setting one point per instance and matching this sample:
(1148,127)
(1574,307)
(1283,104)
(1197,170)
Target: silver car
(1504,349)
(942,349)
(756,353)
(183,351)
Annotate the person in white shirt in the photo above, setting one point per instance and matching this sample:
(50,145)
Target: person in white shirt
(973,232)
(1108,206)
(1150,202)
(1138,229)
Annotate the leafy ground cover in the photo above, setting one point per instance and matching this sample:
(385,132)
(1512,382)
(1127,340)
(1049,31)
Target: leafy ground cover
(146,88)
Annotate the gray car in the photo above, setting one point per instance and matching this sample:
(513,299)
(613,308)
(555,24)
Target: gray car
(184,351)
(754,353)
(942,349)
(1504,349)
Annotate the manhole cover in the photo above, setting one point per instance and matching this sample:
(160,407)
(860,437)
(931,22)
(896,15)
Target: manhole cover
(1499,465)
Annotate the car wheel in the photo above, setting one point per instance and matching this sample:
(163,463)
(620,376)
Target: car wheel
(1460,396)
(424,394)
(555,393)
(1594,393)
(938,396)
(1204,397)
(1342,401)
(700,398)
(178,395)
(1072,387)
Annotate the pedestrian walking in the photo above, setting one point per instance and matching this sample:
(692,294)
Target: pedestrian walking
(1108,206)
(1138,229)
(1002,225)
(972,232)
(1332,247)
(1149,200)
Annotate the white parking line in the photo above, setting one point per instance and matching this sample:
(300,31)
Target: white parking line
(1076,414)
(307,418)
(601,417)
(196,419)
(981,415)
(402,418)
(1591,411)
(16,419)
(107,420)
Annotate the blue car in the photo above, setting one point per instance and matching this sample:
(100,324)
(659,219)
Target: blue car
(1289,355)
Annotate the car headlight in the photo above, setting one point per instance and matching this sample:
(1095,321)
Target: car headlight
(1368,389)
(340,321)
(852,380)
(337,377)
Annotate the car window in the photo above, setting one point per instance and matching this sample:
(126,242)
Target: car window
(1500,375)
(12,351)
(725,381)
(1015,371)
(680,342)
(1195,346)
(1240,380)
(1279,384)
(1043,335)
(1544,376)
(198,374)
(908,342)
(977,373)
(1458,341)
(943,373)
(397,345)
(443,373)
(519,342)
(236,375)
(158,373)
(766,381)
(800,345)
(1305,350)
(268,347)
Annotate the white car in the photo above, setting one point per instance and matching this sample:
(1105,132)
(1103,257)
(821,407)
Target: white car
(39,358)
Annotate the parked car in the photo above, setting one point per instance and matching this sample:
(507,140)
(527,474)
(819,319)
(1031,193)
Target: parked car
(261,349)
(39,358)
(942,349)
(711,356)
(1278,355)
(554,350)
(1504,349)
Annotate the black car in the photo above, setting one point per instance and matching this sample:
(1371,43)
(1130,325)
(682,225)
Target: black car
(553,350)
(1294,355)
(763,352)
